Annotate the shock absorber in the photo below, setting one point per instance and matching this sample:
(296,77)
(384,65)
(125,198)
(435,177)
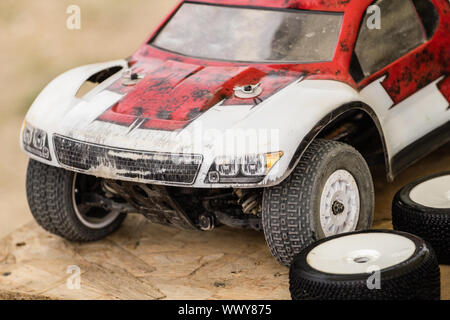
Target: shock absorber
(250,200)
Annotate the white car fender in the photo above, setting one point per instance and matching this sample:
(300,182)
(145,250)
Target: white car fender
(295,113)
(59,94)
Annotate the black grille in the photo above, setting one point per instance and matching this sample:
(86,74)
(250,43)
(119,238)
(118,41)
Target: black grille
(149,166)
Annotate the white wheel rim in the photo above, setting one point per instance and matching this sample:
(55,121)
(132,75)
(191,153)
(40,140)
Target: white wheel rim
(434,193)
(93,223)
(339,204)
(361,253)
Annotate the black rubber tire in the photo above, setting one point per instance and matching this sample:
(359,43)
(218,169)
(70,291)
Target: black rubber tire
(417,278)
(49,194)
(290,212)
(431,224)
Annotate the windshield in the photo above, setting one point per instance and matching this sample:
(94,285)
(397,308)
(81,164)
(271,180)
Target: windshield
(250,35)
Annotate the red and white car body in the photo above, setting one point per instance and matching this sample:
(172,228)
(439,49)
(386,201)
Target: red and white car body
(183,104)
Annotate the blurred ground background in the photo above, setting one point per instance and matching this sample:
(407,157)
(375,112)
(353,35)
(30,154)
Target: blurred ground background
(36,46)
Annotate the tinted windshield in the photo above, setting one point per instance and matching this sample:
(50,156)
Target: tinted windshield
(256,35)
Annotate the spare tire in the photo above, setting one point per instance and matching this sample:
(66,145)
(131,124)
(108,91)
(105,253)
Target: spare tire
(366,265)
(423,208)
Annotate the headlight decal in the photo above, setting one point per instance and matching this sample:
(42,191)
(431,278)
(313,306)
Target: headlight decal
(227,167)
(245,169)
(35,141)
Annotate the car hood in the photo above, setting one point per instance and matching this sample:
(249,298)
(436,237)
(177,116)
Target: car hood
(281,116)
(171,94)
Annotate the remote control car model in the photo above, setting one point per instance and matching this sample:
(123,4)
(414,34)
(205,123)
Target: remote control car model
(247,113)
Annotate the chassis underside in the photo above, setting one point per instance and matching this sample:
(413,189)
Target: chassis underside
(185,208)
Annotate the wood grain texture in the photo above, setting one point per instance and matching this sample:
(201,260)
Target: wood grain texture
(145,261)
(142,261)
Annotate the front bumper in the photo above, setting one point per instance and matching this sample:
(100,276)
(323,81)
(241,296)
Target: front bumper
(122,164)
(126,164)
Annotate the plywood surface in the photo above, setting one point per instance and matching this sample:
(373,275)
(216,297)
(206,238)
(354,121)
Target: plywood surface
(145,261)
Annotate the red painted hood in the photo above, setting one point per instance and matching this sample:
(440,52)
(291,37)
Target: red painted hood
(172,93)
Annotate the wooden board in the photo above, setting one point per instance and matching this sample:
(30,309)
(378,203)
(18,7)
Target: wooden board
(142,261)
(145,261)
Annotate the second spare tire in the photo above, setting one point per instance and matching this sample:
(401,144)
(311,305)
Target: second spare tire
(423,208)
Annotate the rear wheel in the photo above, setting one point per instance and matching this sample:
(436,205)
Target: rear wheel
(328,193)
(70,205)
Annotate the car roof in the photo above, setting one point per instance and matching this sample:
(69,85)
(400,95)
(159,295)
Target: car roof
(317,5)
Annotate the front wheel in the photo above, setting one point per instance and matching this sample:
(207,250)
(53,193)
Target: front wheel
(329,192)
(68,204)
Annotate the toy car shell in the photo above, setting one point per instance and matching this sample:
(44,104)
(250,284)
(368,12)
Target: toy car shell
(183,87)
